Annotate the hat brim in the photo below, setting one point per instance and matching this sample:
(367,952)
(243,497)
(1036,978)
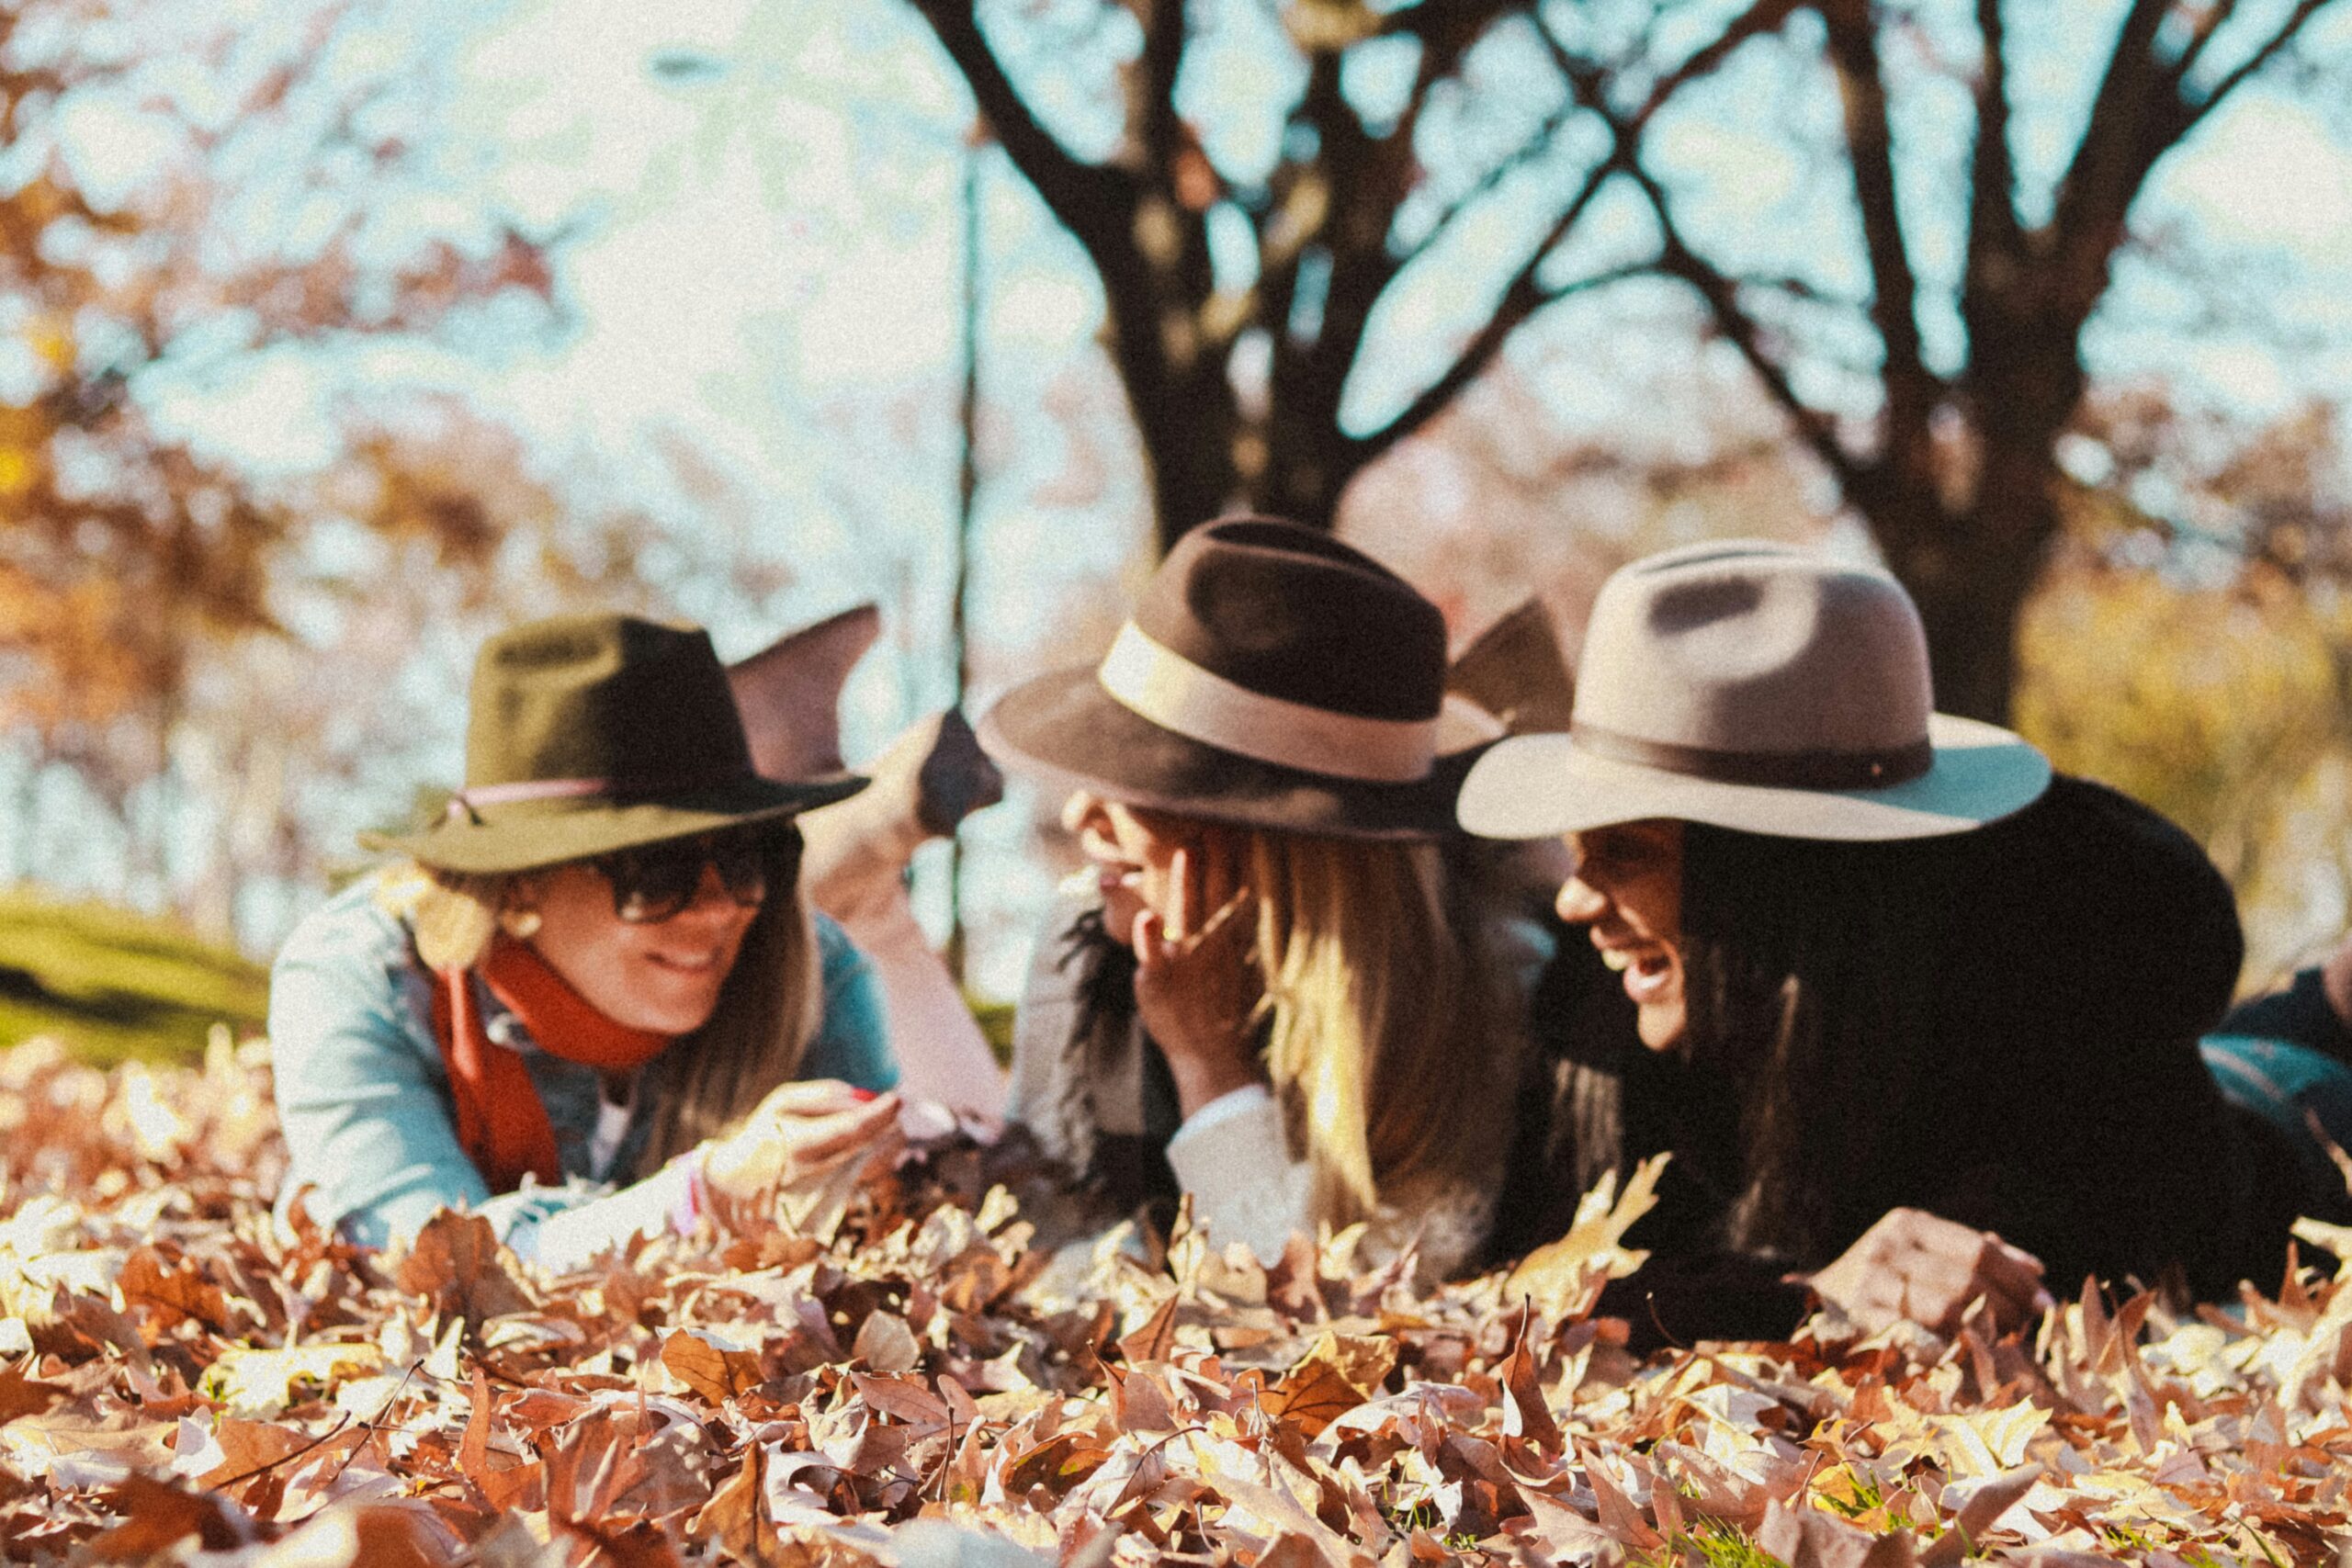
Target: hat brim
(530,835)
(1536,786)
(1065,728)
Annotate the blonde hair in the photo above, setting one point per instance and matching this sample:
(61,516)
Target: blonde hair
(1385,1041)
(705,1082)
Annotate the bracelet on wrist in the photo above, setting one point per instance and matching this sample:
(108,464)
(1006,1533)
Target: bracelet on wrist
(694,1198)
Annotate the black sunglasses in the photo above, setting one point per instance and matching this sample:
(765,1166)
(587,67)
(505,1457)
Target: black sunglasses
(657,882)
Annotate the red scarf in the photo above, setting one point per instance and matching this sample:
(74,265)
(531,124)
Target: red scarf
(501,1123)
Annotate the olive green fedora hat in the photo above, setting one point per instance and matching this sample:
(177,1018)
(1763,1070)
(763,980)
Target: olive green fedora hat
(588,734)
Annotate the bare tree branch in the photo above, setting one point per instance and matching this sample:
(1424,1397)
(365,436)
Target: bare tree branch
(1676,259)
(1430,20)
(1801,289)
(1538,143)
(2288,29)
(1447,34)
(1096,204)
(1443,51)
(1763,16)
(1993,229)
(1157,125)
(2206,26)
(1524,295)
(1911,389)
(2114,151)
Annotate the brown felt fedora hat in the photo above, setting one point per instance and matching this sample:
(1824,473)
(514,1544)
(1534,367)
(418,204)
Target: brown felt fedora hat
(588,734)
(1757,686)
(1271,676)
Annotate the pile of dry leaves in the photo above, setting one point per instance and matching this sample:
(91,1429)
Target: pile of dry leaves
(180,1382)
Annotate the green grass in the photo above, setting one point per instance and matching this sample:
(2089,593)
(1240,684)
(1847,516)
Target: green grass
(1712,1543)
(113,985)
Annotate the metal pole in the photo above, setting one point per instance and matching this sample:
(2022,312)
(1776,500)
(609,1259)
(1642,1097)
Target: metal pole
(968,485)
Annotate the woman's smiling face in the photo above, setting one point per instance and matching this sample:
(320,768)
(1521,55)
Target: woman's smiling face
(660,976)
(1628,889)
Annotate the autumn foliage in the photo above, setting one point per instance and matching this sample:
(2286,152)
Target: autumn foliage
(922,1378)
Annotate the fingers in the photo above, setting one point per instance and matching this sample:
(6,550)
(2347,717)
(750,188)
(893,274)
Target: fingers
(882,1155)
(811,1097)
(2014,1271)
(1220,870)
(816,1139)
(1148,942)
(1183,897)
(1920,1266)
(1225,919)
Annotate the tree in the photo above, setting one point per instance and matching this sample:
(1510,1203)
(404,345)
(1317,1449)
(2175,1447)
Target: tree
(128,558)
(1949,458)
(2191,643)
(1322,220)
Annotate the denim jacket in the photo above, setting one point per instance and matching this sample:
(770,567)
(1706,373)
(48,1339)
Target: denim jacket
(364,1098)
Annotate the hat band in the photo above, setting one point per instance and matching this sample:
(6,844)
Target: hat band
(1770,769)
(463,803)
(1175,694)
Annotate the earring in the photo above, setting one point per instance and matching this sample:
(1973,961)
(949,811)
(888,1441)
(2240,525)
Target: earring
(520,924)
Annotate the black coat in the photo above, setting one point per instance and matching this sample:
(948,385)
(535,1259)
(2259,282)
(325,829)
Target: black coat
(2090,943)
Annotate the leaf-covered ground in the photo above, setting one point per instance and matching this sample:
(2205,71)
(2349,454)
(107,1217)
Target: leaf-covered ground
(180,1382)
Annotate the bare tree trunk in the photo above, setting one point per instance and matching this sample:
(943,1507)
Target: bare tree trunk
(1191,429)
(1972,618)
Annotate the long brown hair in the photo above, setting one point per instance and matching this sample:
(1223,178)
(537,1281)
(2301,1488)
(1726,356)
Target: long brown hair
(705,1082)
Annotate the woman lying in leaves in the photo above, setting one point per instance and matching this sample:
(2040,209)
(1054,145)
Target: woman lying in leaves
(596,968)
(1918,1023)
(1268,993)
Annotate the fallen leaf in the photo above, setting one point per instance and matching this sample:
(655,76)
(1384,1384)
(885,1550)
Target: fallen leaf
(1564,1278)
(1151,1339)
(1331,1380)
(715,1372)
(886,1344)
(1525,1414)
(177,1292)
(21,1395)
(1807,1538)
(260,1383)
(457,1262)
(157,1516)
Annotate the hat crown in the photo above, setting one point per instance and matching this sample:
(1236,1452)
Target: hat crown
(1755,649)
(636,702)
(1292,613)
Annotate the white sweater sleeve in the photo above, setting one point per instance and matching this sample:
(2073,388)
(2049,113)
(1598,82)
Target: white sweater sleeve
(1231,1156)
(569,1239)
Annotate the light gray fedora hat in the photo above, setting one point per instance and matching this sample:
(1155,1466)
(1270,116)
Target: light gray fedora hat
(1758,686)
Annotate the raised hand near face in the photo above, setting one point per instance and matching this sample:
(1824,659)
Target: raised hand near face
(1197,982)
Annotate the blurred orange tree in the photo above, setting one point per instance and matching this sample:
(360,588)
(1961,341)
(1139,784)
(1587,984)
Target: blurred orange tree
(2191,643)
(174,193)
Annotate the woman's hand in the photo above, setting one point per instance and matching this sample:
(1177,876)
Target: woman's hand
(1913,1265)
(801,1131)
(1197,985)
